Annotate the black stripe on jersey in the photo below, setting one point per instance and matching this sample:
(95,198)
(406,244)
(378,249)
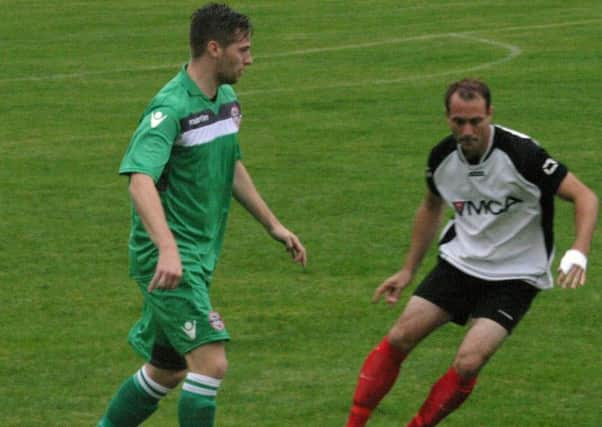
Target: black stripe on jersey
(438,154)
(208,117)
(449,235)
(547,222)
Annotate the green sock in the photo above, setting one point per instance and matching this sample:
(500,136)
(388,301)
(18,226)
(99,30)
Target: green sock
(196,407)
(137,398)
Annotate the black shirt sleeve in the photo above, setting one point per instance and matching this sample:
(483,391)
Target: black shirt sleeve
(532,161)
(436,157)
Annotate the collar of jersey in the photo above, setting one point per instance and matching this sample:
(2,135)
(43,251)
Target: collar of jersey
(191,87)
(485,156)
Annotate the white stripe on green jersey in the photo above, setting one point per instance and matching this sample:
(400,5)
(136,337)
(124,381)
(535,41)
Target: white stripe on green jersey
(208,133)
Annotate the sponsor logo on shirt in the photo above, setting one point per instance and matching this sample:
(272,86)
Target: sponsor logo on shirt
(484,207)
(199,119)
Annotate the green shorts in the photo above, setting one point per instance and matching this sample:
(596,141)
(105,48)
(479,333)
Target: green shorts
(181,319)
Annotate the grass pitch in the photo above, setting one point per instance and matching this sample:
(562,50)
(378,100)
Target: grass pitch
(341,107)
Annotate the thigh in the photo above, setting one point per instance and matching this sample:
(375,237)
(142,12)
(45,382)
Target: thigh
(450,289)
(484,337)
(419,318)
(482,340)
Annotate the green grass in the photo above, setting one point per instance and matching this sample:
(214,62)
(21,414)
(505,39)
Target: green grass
(341,107)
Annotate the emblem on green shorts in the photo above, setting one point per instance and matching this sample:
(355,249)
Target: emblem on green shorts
(189,329)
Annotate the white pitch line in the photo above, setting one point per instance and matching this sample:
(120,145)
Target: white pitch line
(423,37)
(467,34)
(513,52)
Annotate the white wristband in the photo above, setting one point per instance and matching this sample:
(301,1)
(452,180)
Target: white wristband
(572,257)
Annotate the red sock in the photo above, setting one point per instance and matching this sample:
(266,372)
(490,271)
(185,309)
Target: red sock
(446,395)
(377,376)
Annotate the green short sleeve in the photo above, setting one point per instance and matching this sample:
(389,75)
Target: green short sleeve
(151,144)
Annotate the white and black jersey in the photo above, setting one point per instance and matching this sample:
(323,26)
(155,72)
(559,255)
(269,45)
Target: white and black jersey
(502,227)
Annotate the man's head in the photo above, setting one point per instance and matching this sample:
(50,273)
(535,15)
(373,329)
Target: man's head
(224,35)
(469,113)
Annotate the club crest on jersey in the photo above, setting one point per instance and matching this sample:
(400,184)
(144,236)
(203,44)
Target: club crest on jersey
(216,322)
(484,207)
(236,116)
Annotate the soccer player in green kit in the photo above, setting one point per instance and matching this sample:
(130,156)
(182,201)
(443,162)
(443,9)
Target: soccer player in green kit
(184,166)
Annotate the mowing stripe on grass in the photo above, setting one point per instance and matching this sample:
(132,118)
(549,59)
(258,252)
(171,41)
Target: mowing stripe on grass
(466,34)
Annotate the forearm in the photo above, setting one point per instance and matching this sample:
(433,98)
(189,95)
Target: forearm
(148,206)
(247,195)
(586,210)
(586,216)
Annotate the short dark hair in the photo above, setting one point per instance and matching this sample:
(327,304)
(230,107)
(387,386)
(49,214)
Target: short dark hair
(468,89)
(218,22)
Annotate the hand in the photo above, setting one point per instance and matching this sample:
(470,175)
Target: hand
(575,278)
(169,270)
(291,242)
(571,272)
(392,287)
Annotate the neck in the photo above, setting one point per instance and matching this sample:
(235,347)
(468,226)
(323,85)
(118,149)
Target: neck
(472,158)
(201,74)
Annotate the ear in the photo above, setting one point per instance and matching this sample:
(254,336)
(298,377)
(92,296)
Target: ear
(490,112)
(213,49)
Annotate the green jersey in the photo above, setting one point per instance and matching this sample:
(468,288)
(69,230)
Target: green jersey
(188,144)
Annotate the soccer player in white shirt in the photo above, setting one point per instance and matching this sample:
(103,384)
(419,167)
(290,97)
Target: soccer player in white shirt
(494,255)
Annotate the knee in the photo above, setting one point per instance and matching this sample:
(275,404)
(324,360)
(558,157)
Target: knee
(209,360)
(401,337)
(215,367)
(166,377)
(178,376)
(469,364)
(220,368)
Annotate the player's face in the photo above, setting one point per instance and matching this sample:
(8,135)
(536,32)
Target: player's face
(469,121)
(233,60)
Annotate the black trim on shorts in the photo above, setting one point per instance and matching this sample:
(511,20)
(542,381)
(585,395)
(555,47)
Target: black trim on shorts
(167,358)
(464,296)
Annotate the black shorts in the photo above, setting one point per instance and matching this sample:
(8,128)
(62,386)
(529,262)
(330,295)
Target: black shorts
(464,296)
(167,358)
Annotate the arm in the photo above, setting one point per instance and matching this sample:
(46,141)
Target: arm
(248,196)
(148,205)
(426,224)
(586,216)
